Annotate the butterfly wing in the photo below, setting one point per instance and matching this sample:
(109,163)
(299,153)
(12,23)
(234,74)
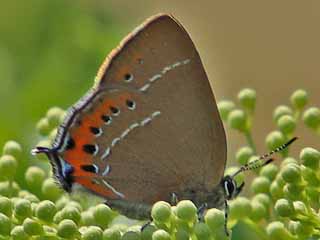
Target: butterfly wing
(151,126)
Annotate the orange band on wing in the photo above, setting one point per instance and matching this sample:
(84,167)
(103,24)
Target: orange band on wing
(99,189)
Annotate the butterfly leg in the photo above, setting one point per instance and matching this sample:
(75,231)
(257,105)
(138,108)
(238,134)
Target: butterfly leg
(146,224)
(201,210)
(238,190)
(174,199)
(226,216)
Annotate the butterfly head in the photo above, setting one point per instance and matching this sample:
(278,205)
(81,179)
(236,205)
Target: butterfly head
(61,169)
(230,187)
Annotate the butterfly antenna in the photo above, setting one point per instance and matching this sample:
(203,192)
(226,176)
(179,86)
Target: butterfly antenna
(266,157)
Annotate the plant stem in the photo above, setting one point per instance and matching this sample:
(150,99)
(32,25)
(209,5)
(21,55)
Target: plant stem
(250,141)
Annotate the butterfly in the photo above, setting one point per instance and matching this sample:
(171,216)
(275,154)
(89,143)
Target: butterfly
(149,129)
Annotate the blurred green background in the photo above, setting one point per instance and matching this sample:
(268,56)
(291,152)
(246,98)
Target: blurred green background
(50,52)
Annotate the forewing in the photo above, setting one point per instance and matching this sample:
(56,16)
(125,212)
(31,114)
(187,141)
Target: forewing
(166,135)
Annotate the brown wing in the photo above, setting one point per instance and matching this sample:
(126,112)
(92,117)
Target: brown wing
(166,134)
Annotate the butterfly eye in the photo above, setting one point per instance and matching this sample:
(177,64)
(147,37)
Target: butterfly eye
(128,77)
(229,187)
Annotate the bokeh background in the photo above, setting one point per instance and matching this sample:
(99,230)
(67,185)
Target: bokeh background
(50,52)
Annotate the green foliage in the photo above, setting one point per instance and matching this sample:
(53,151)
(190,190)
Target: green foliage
(283,203)
(161,211)
(42,45)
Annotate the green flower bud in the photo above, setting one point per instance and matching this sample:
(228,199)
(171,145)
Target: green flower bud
(12,148)
(43,127)
(300,208)
(87,218)
(147,232)
(276,191)
(259,211)
(280,111)
(22,209)
(49,230)
(62,202)
(113,234)
(186,210)
(92,233)
(135,228)
(32,227)
(293,191)
(202,231)
(277,231)
(102,215)
(161,235)
(260,185)
(8,167)
(58,217)
(6,206)
(30,197)
(303,229)
(67,229)
(131,235)
(51,190)
(237,119)
(225,107)
(46,210)
(53,134)
(299,99)
(286,124)
(269,171)
(34,177)
(54,115)
(182,235)
(8,189)
(263,199)
(76,205)
(311,117)
(240,208)
(310,176)
(287,161)
(274,140)
(292,226)
(247,98)
(310,157)
(180,225)
(284,208)
(243,155)
(5,225)
(291,173)
(215,219)
(72,213)
(17,233)
(161,212)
